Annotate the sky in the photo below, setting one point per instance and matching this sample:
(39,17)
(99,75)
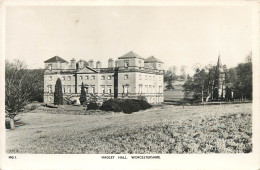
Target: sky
(176,35)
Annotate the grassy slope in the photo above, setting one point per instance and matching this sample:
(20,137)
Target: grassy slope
(170,129)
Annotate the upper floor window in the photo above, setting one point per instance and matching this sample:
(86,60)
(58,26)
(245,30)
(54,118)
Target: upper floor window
(140,64)
(146,77)
(80,77)
(63,78)
(140,77)
(50,88)
(86,77)
(93,77)
(50,78)
(109,77)
(126,77)
(69,78)
(102,77)
(50,66)
(126,63)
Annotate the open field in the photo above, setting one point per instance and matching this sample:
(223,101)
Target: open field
(166,129)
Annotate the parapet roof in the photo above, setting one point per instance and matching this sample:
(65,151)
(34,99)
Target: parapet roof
(152,59)
(130,54)
(56,59)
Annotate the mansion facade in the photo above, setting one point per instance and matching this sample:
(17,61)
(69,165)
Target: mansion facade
(129,77)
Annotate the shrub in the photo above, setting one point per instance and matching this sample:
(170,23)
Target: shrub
(92,106)
(144,104)
(130,106)
(112,105)
(127,106)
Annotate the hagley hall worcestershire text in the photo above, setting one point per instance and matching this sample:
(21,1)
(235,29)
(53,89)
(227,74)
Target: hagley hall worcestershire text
(131,76)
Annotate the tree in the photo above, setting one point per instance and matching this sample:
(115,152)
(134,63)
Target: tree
(243,83)
(197,84)
(170,74)
(58,96)
(169,83)
(83,96)
(183,75)
(18,88)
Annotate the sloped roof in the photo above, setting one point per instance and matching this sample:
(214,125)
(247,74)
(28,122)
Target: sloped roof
(131,54)
(87,70)
(56,59)
(148,65)
(152,59)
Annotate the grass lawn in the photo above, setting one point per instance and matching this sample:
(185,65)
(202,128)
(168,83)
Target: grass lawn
(166,129)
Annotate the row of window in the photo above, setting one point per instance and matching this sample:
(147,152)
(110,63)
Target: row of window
(148,89)
(109,77)
(91,89)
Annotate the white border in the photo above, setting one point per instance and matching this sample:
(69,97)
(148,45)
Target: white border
(183,161)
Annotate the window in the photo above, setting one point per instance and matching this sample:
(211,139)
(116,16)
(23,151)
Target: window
(140,77)
(50,78)
(160,89)
(93,89)
(146,77)
(126,64)
(150,77)
(140,88)
(109,77)
(102,77)
(86,77)
(63,78)
(140,64)
(126,77)
(125,89)
(150,88)
(146,88)
(50,88)
(109,89)
(69,89)
(69,78)
(63,89)
(159,65)
(86,90)
(93,77)
(103,89)
(80,77)
(50,66)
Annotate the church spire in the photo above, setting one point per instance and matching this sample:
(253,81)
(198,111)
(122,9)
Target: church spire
(219,62)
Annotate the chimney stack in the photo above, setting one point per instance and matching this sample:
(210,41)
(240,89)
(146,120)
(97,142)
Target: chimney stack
(98,64)
(91,63)
(117,63)
(73,63)
(110,63)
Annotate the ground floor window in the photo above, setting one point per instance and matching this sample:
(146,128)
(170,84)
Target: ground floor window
(109,89)
(103,89)
(69,89)
(140,88)
(93,89)
(125,89)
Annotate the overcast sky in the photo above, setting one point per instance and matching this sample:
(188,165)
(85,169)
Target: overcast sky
(176,35)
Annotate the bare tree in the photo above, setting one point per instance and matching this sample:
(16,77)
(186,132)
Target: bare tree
(18,87)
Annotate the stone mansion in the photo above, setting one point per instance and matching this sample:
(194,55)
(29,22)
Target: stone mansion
(131,76)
